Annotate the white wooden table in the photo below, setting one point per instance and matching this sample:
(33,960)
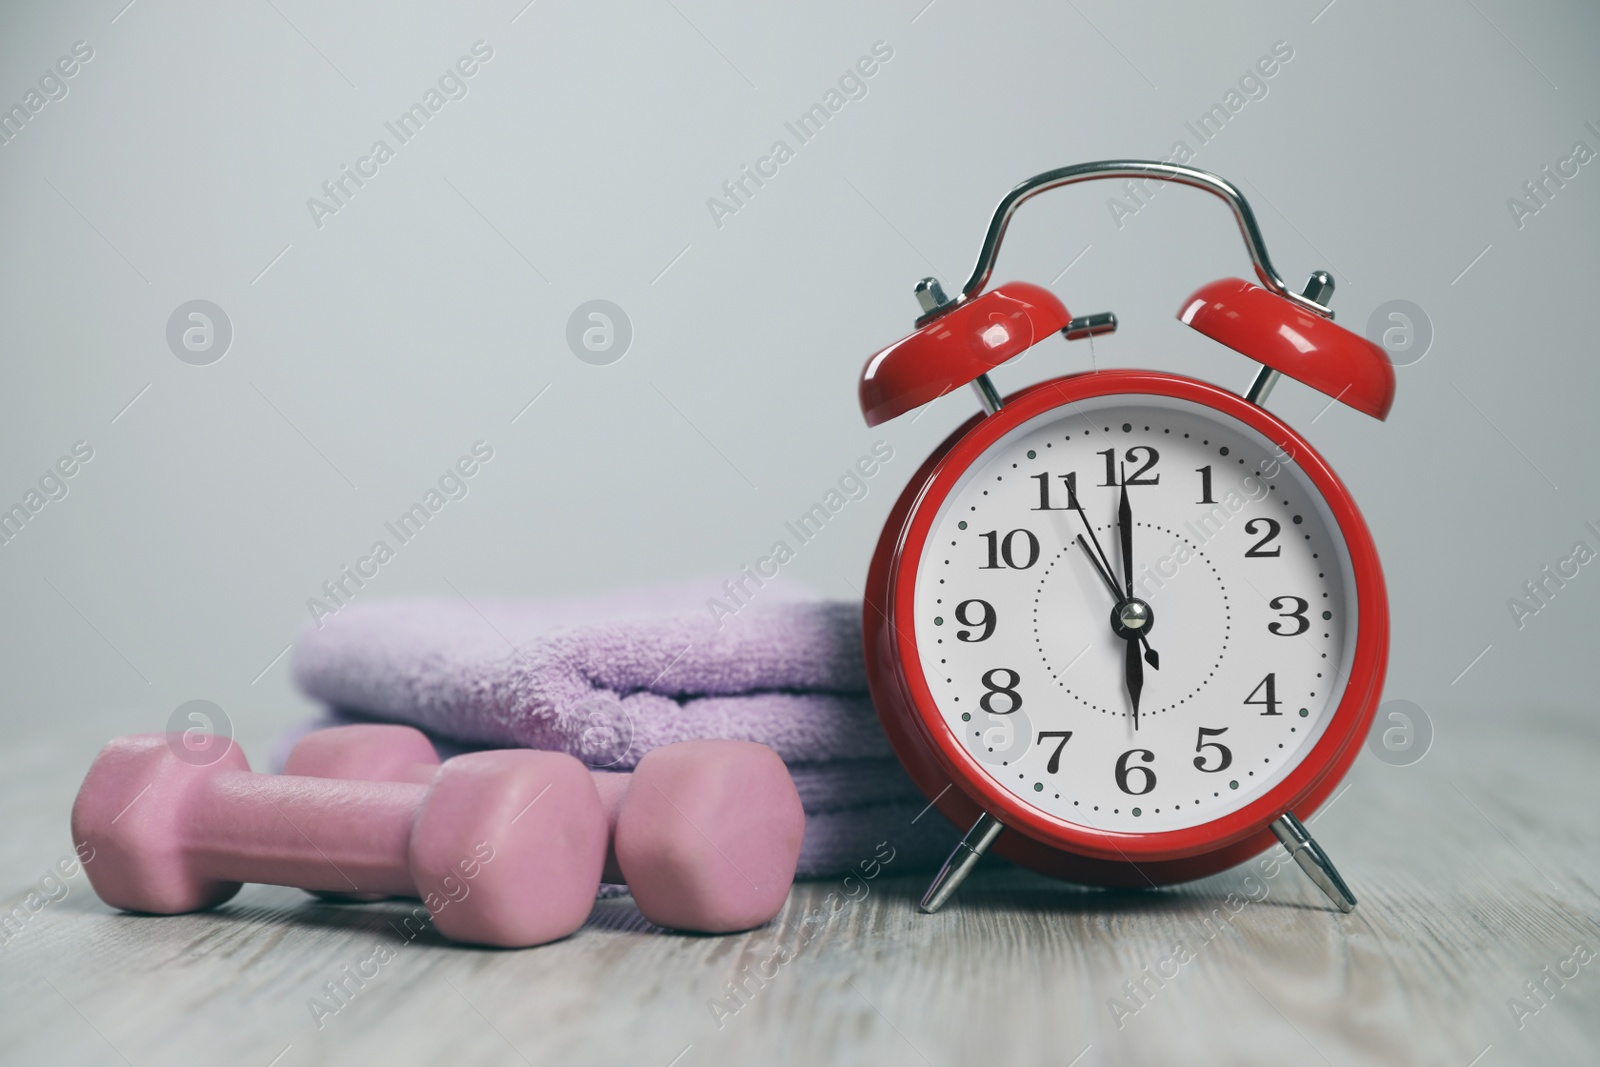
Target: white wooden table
(1476,869)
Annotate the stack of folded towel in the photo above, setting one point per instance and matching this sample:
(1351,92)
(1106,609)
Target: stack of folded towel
(608,680)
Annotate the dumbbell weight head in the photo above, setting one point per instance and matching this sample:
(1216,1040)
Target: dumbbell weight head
(718,826)
(133,809)
(368,751)
(541,885)
(505,848)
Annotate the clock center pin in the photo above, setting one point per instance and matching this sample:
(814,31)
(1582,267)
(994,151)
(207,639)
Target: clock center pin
(1132,618)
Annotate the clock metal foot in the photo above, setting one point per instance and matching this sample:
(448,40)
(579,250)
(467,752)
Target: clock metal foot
(1309,855)
(962,859)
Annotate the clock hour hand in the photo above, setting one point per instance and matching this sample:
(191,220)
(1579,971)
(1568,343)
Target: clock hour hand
(1111,583)
(1098,557)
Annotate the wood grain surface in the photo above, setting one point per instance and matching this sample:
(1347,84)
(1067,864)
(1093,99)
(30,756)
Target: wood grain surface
(1475,868)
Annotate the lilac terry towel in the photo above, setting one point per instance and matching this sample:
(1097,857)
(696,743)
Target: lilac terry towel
(608,682)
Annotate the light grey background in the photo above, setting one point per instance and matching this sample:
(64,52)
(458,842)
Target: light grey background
(369,353)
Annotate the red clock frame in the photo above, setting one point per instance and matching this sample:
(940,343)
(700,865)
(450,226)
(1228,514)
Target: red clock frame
(959,785)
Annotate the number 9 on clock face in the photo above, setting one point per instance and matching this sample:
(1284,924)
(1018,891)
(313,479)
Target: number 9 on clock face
(1135,612)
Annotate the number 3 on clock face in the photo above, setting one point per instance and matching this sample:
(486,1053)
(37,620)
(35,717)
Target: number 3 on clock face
(1236,555)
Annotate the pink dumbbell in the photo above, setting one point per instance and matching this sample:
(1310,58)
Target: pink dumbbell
(505,848)
(705,833)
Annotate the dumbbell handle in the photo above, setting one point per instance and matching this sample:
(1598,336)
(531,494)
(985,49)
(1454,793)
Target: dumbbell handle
(611,785)
(312,833)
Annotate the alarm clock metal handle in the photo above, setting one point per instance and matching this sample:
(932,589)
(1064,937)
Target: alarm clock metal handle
(1136,169)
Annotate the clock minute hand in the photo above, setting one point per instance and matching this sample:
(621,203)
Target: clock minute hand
(1125,528)
(1125,525)
(1133,673)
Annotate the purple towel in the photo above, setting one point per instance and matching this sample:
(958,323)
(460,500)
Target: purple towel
(608,681)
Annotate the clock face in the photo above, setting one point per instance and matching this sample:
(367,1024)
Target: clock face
(1241,614)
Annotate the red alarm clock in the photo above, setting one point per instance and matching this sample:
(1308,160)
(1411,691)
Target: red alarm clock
(1128,626)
